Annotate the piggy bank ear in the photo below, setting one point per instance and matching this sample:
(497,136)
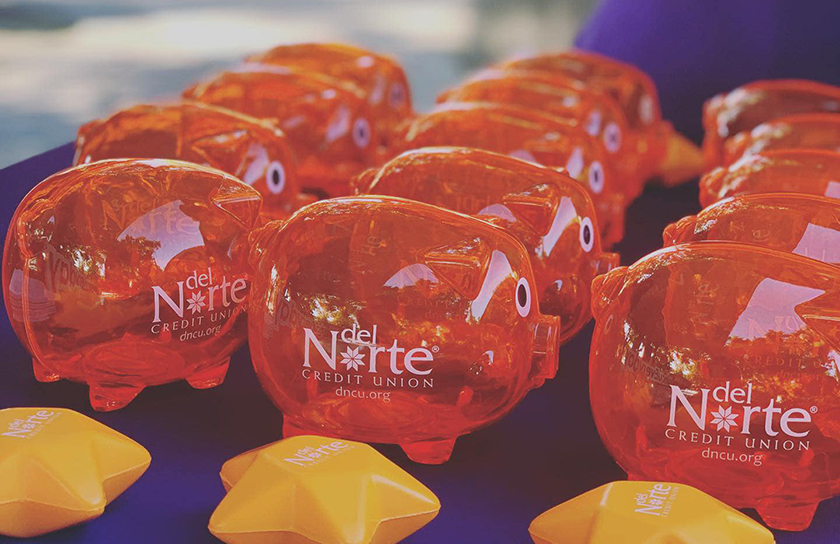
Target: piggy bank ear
(223,150)
(240,202)
(362,183)
(533,206)
(711,186)
(460,264)
(822,315)
(84,135)
(605,289)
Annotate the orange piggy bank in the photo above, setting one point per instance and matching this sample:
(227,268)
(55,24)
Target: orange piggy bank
(746,107)
(380,77)
(530,135)
(128,273)
(713,364)
(803,224)
(253,150)
(597,112)
(805,131)
(327,121)
(811,171)
(386,320)
(550,213)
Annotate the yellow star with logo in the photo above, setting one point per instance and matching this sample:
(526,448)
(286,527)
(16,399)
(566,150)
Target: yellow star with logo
(646,513)
(316,490)
(59,468)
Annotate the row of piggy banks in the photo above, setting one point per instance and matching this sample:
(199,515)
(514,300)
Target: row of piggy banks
(300,122)
(372,317)
(714,360)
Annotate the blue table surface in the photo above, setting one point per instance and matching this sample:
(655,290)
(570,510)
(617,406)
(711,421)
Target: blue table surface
(544,452)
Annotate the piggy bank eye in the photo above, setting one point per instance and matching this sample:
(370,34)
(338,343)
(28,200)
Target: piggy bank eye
(523,297)
(396,95)
(275,178)
(361,133)
(612,137)
(593,123)
(587,234)
(646,109)
(596,177)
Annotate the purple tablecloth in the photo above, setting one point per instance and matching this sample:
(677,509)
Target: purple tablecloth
(546,451)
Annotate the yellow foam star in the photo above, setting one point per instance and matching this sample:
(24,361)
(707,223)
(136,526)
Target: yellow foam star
(646,513)
(315,490)
(59,468)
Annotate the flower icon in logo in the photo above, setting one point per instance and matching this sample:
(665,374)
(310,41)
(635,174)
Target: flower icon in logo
(195,302)
(352,358)
(724,418)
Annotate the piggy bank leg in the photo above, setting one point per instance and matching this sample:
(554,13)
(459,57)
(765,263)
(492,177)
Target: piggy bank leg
(429,452)
(43,373)
(786,516)
(210,376)
(108,397)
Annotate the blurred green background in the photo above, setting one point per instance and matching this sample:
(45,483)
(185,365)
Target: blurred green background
(66,62)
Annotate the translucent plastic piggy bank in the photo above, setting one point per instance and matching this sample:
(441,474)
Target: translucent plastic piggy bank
(127,273)
(663,151)
(806,131)
(531,135)
(251,149)
(715,364)
(550,213)
(327,120)
(806,225)
(379,76)
(597,112)
(386,320)
(811,171)
(746,107)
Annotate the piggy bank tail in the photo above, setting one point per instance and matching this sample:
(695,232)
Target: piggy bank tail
(546,342)
(605,289)
(683,159)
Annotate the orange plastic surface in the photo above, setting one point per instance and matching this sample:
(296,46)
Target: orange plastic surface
(59,468)
(387,320)
(317,490)
(550,213)
(248,148)
(806,131)
(714,364)
(597,112)
(806,225)
(744,108)
(815,172)
(328,122)
(130,272)
(379,76)
(530,135)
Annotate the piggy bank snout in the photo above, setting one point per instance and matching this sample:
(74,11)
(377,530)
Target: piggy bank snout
(546,341)
(605,262)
